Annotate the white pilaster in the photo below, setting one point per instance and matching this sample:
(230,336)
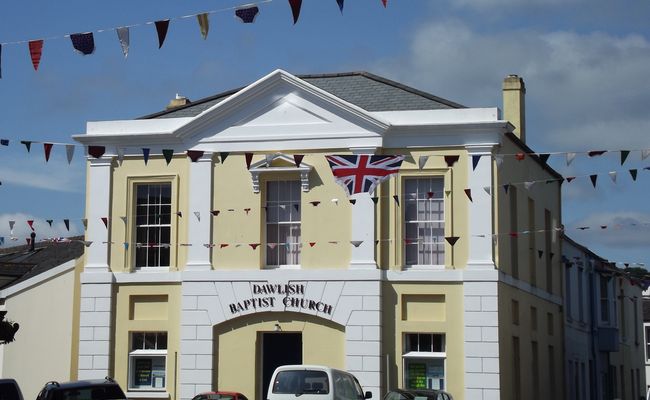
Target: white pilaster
(95,325)
(98,207)
(200,227)
(480,209)
(363,230)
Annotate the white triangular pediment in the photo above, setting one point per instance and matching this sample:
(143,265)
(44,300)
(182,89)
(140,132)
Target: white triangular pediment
(281,108)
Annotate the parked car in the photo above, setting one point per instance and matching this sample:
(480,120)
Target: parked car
(220,395)
(9,390)
(95,389)
(417,394)
(314,382)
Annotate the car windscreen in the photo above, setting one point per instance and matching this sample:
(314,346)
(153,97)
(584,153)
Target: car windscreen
(89,393)
(301,382)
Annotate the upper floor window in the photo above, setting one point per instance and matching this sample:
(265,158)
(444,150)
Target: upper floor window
(153,224)
(283,222)
(147,360)
(424,221)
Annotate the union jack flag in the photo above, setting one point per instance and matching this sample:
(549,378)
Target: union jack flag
(362,173)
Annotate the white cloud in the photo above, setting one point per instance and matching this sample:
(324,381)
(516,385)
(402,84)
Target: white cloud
(56,175)
(22,231)
(583,90)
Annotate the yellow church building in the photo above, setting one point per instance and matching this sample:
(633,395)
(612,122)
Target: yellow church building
(223,244)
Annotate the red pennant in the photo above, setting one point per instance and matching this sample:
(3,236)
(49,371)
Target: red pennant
(468,192)
(254,245)
(520,156)
(29,241)
(452,239)
(408,241)
(105,221)
(222,245)
(384,2)
(451,160)
(48,148)
(430,195)
(35,51)
(297,158)
(194,155)
(31,224)
(295,9)
(312,244)
(513,234)
(249,158)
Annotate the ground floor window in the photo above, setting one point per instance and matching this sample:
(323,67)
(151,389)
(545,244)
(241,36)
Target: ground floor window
(147,360)
(424,360)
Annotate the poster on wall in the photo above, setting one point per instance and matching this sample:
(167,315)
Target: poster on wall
(142,372)
(417,375)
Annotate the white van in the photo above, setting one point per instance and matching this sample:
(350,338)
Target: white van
(314,382)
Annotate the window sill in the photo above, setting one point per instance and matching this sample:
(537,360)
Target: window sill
(132,394)
(423,267)
(281,267)
(145,270)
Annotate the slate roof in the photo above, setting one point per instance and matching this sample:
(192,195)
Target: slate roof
(365,90)
(21,263)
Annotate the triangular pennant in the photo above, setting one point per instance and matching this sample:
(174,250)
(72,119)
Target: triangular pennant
(374,199)
(384,2)
(447,193)
(204,24)
(84,43)
(452,239)
(595,153)
(272,245)
(96,151)
(468,193)
(499,160)
(612,175)
(120,154)
(340,3)
(314,203)
(123,218)
(194,155)
(396,198)
(488,190)
(28,144)
(254,245)
(544,157)
(297,158)
(145,154)
(67,224)
(451,160)
(222,245)
(105,221)
(356,243)
(376,242)
(269,159)
(249,158)
(247,210)
(224,155)
(69,152)
(49,222)
(540,253)
(47,147)
(624,154)
(593,179)
(295,9)
(312,244)
(569,158)
(161,29)
(4,142)
(28,240)
(353,201)
(87,243)
(633,174)
(123,37)
(215,212)
(35,51)
(168,154)
(297,207)
(247,14)
(520,156)
(475,160)
(31,224)
(335,201)
(645,153)
(514,234)
(603,227)
(84,221)
(422,161)
(506,187)
(126,245)
(529,184)
(570,178)
(179,213)
(198,215)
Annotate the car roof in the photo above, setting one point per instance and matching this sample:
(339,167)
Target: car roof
(83,383)
(308,367)
(220,392)
(418,392)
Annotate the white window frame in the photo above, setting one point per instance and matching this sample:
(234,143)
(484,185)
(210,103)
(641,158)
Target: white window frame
(161,243)
(296,245)
(152,354)
(424,355)
(437,257)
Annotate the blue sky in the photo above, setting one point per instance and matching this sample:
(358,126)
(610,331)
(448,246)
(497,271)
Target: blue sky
(586,64)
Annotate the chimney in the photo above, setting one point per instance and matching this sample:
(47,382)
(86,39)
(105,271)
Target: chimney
(32,243)
(514,104)
(178,101)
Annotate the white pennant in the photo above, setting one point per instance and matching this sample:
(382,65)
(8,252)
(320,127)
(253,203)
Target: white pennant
(499,160)
(488,190)
(69,151)
(120,155)
(613,176)
(356,243)
(422,161)
(335,201)
(645,154)
(570,157)
(123,219)
(269,159)
(198,215)
(123,36)
(528,184)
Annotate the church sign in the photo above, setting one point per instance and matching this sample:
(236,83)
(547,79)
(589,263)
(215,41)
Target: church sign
(271,295)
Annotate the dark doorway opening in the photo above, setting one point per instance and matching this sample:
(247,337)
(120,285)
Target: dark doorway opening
(281,348)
